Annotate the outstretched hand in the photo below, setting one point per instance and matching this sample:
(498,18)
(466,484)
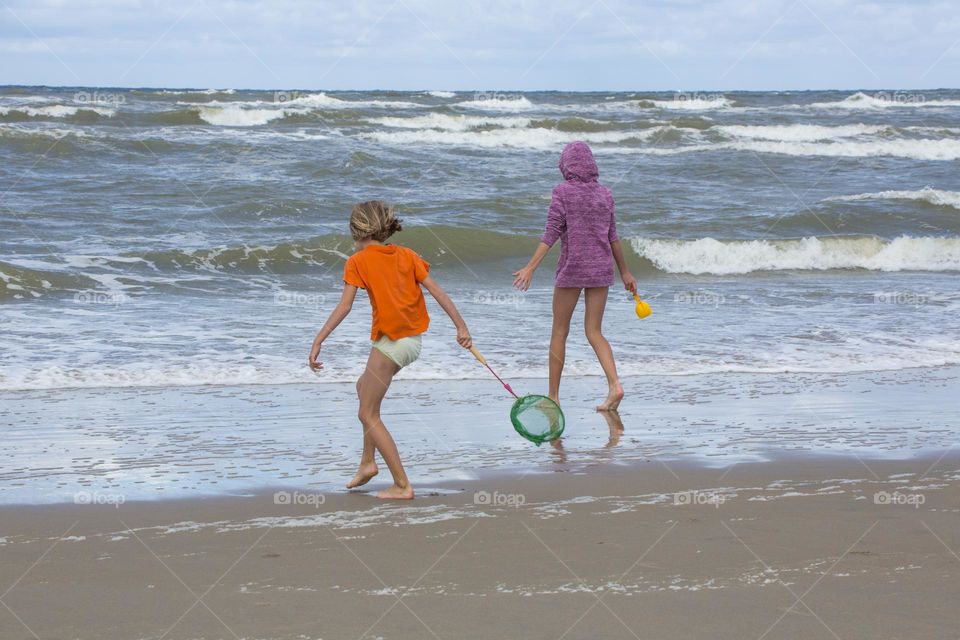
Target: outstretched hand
(522,278)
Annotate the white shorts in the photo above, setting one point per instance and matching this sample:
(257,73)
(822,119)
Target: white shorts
(403,352)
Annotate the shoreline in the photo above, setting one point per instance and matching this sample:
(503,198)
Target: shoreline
(947,367)
(174,443)
(921,464)
(669,552)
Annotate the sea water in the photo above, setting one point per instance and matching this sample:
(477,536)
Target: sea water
(177,239)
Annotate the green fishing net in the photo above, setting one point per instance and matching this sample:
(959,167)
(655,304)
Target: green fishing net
(537,418)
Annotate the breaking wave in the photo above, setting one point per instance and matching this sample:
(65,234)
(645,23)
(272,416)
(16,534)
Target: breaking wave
(54,111)
(728,257)
(495,103)
(885,100)
(801,132)
(927,194)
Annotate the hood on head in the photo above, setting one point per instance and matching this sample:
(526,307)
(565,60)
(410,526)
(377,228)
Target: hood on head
(577,163)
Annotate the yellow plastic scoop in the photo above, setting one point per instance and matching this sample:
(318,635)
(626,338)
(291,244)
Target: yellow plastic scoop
(643,308)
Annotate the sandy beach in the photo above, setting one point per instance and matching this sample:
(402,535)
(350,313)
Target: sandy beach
(796,548)
(730,506)
(723,505)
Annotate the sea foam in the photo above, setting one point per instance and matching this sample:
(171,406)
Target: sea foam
(682,103)
(498,103)
(446,122)
(233,116)
(912,149)
(884,100)
(55,111)
(520,138)
(801,132)
(727,257)
(927,194)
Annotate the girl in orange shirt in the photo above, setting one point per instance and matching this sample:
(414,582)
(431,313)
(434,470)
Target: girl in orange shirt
(392,276)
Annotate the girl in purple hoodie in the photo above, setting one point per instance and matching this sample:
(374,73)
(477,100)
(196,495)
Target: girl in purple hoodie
(581,217)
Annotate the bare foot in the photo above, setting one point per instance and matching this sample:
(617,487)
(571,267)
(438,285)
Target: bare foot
(363,475)
(612,403)
(396,493)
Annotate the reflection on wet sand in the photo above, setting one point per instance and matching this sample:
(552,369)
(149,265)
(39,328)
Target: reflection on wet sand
(559,454)
(615,424)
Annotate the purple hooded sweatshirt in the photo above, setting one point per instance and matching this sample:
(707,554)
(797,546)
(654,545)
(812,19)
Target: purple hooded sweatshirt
(581,216)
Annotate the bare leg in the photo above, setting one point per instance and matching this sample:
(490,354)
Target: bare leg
(368,465)
(375,382)
(564,302)
(596,302)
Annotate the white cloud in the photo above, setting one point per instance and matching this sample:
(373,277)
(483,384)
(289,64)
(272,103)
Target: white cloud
(509,44)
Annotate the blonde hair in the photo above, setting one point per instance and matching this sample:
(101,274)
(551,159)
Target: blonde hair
(375,220)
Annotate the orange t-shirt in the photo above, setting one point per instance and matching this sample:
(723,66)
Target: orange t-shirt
(391,275)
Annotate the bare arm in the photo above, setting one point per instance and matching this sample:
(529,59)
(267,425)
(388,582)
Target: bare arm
(555,228)
(522,278)
(629,282)
(341,311)
(463,335)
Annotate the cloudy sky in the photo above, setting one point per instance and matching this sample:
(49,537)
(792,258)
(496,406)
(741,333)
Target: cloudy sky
(681,45)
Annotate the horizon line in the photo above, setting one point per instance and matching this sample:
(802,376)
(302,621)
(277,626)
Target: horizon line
(474,90)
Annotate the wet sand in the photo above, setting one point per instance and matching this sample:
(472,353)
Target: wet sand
(186,442)
(796,547)
(734,506)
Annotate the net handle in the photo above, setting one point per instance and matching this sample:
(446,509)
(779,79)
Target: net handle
(483,361)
